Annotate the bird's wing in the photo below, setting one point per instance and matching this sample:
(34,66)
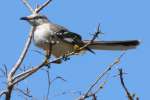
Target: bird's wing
(67,36)
(57,28)
(70,37)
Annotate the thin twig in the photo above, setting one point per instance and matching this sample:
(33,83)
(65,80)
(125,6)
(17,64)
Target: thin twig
(117,60)
(101,86)
(68,92)
(94,37)
(58,77)
(49,83)
(26,93)
(10,84)
(124,86)
(26,3)
(39,8)
(2,93)
(29,72)
(23,54)
(38,52)
(101,75)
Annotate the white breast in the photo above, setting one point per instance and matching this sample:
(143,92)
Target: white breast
(42,38)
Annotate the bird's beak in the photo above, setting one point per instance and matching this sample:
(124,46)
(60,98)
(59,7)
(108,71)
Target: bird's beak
(24,18)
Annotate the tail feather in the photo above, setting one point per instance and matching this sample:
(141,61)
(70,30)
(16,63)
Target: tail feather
(113,45)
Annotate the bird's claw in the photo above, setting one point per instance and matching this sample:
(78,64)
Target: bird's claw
(65,58)
(47,63)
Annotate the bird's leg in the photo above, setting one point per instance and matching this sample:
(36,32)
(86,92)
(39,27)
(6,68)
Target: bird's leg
(65,57)
(48,55)
(77,49)
(47,58)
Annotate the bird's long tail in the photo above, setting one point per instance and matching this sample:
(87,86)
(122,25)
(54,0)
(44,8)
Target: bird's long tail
(113,45)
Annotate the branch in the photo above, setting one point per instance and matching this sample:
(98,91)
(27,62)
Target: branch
(26,92)
(26,3)
(4,71)
(23,54)
(94,37)
(10,84)
(11,79)
(39,8)
(29,72)
(123,85)
(101,75)
(2,93)
(49,83)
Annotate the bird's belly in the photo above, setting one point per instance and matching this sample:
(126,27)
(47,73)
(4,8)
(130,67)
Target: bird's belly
(62,48)
(42,38)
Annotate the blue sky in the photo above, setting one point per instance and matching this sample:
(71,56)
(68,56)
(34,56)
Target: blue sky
(120,20)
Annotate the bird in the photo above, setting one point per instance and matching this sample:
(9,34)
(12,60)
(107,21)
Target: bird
(60,41)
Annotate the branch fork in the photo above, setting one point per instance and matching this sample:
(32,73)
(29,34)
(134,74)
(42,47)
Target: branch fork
(11,81)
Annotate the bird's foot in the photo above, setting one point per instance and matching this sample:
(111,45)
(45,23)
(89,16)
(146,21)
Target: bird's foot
(77,49)
(47,63)
(65,58)
(59,61)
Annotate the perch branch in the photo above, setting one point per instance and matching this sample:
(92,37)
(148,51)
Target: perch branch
(29,72)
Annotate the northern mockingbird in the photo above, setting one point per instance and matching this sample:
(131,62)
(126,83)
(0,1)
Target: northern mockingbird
(65,41)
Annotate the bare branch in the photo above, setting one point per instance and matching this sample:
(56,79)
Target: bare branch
(100,76)
(10,84)
(39,8)
(69,92)
(2,93)
(26,92)
(26,3)
(123,85)
(4,71)
(94,37)
(49,83)
(101,86)
(117,60)
(23,54)
(29,72)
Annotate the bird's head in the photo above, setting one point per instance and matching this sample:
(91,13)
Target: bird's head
(35,19)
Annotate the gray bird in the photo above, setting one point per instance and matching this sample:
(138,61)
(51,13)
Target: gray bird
(64,41)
